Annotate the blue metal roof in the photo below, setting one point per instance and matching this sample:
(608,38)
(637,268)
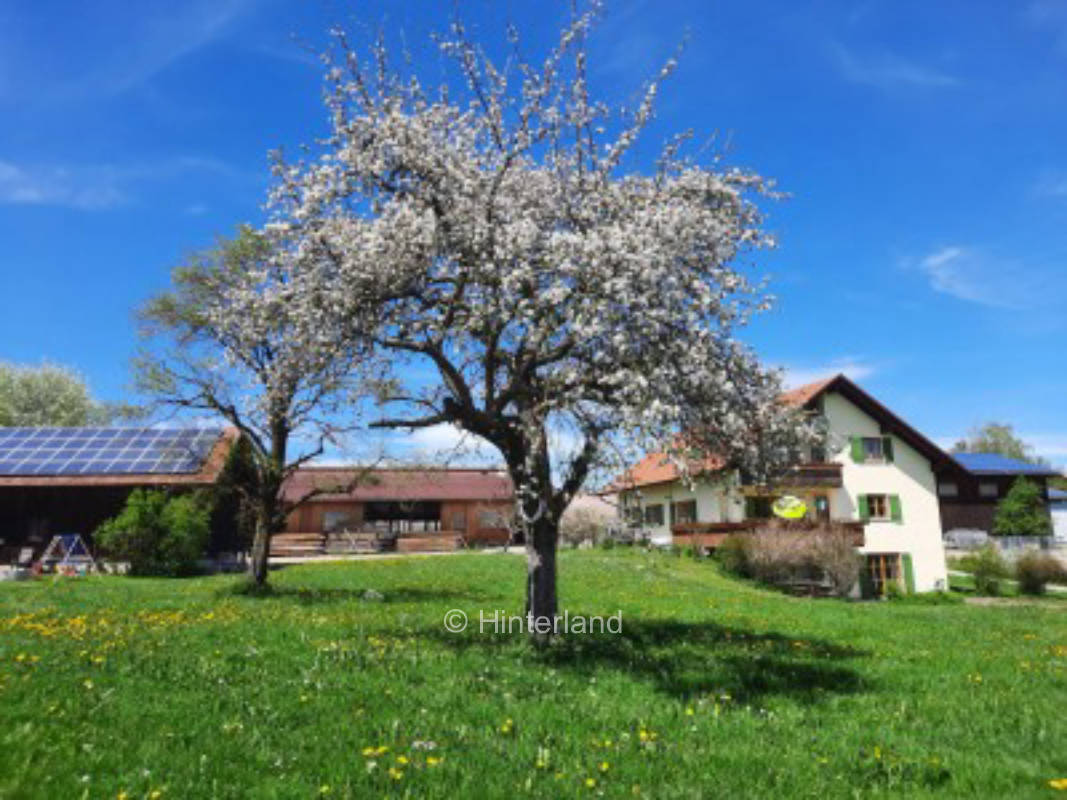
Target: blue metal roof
(996,464)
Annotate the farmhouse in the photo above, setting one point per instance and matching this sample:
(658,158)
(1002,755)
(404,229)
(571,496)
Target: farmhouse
(69,480)
(395,509)
(876,473)
(971,485)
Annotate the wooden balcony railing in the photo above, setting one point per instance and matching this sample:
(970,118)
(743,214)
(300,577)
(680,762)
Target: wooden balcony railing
(710,535)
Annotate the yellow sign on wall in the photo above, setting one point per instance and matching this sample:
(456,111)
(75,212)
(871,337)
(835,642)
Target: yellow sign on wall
(789,507)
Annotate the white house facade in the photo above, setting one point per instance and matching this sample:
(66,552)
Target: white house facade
(876,470)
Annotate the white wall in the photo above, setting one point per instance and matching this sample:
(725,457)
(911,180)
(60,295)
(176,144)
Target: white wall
(715,503)
(1059,520)
(909,476)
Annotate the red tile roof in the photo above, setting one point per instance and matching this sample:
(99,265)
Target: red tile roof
(400,484)
(803,395)
(659,468)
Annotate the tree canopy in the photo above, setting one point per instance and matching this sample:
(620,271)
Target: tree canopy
(1022,511)
(1000,438)
(505,238)
(51,395)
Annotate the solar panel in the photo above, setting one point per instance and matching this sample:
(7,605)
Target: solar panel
(104,451)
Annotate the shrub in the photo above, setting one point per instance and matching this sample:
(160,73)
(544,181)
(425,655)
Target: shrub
(788,553)
(1022,511)
(732,555)
(989,569)
(607,543)
(1035,571)
(157,534)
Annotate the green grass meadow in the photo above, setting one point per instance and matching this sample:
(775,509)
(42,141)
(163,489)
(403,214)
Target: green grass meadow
(117,687)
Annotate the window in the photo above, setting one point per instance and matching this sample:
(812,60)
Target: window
(948,490)
(492,518)
(872,449)
(877,506)
(880,507)
(882,570)
(818,454)
(337,521)
(758,507)
(685,511)
(988,489)
(654,514)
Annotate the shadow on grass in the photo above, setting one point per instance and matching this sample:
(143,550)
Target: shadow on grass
(687,659)
(307,595)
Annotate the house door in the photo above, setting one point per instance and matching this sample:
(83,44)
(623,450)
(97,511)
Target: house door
(821,507)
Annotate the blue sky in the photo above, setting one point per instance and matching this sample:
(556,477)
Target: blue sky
(923,146)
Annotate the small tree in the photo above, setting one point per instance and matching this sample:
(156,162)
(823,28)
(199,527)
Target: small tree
(508,243)
(1022,511)
(158,534)
(51,395)
(232,340)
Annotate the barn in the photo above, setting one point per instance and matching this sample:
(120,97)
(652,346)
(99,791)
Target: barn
(401,509)
(69,480)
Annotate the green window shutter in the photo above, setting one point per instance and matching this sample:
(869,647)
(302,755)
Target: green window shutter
(887,448)
(909,573)
(857,449)
(865,511)
(896,513)
(866,584)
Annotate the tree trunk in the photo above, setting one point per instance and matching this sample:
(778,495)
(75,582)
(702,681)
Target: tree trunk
(541,606)
(257,567)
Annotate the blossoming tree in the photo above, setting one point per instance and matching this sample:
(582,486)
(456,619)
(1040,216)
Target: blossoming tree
(227,339)
(506,239)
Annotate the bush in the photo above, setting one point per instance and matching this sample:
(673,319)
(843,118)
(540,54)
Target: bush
(732,555)
(989,569)
(1022,511)
(607,543)
(157,534)
(1035,571)
(785,554)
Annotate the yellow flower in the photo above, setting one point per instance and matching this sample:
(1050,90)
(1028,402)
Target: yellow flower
(122,795)
(590,782)
(88,684)
(325,789)
(689,711)
(155,794)
(1059,784)
(877,752)
(432,761)
(401,759)
(396,774)
(604,766)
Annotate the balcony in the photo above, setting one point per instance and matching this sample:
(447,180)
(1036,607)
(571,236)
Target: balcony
(709,535)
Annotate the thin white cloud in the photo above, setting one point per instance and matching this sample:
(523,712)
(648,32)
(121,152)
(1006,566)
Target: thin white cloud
(977,275)
(851,367)
(92,187)
(886,70)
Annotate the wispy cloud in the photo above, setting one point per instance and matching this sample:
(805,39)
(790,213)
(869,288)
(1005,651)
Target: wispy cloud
(92,187)
(977,276)
(851,366)
(885,70)
(118,46)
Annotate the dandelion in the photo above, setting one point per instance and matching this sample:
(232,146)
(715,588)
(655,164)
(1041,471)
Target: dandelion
(590,783)
(507,727)
(325,789)
(122,795)
(396,774)
(88,684)
(604,766)
(1059,784)
(690,711)
(432,761)
(401,759)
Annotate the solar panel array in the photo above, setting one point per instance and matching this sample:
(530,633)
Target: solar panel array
(104,451)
